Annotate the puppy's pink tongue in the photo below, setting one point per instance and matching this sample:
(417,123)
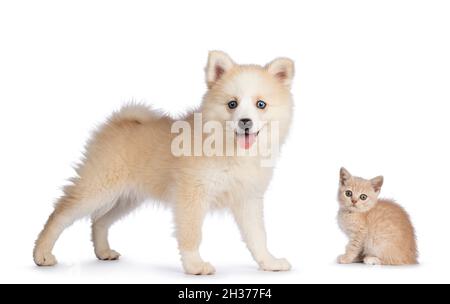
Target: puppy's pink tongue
(246,141)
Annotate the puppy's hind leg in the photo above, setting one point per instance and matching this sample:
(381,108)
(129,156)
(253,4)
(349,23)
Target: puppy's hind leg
(69,208)
(101,225)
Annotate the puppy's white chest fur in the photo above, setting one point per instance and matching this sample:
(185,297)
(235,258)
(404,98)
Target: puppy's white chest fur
(226,185)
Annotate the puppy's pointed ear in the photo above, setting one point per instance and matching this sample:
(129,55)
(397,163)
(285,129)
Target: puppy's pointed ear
(283,69)
(377,183)
(344,176)
(218,64)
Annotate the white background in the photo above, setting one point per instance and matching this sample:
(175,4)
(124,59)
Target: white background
(372,93)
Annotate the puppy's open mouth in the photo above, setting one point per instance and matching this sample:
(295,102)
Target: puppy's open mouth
(247,139)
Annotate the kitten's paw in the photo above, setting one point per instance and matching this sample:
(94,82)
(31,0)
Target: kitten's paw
(44,259)
(345,259)
(372,261)
(108,255)
(275,265)
(199,268)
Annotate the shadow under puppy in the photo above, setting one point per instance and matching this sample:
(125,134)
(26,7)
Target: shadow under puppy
(380,231)
(129,160)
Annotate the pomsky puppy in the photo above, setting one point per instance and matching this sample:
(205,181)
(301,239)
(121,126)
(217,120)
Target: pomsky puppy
(130,159)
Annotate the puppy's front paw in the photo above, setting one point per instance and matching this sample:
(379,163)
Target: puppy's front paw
(108,255)
(44,259)
(199,268)
(345,259)
(275,265)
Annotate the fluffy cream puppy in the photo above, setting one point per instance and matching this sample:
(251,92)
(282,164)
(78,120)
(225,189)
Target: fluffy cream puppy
(131,159)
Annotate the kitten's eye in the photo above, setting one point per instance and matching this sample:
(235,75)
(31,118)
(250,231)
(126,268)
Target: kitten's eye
(363,197)
(233,104)
(261,104)
(348,193)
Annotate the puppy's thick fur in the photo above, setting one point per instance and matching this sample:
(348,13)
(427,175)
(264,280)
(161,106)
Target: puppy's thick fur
(129,160)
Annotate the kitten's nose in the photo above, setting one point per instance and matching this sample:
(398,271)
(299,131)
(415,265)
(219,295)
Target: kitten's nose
(354,202)
(245,124)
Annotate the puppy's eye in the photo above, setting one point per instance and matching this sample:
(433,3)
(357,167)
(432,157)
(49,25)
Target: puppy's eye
(261,104)
(233,104)
(348,193)
(363,197)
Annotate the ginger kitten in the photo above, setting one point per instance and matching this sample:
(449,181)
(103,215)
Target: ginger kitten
(380,231)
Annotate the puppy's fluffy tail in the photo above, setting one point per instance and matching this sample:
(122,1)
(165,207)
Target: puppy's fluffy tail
(134,113)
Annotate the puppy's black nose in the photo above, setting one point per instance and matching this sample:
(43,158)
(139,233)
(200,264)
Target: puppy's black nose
(245,123)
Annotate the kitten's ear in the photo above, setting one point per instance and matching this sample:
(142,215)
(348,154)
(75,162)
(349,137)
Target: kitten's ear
(283,69)
(377,183)
(218,64)
(344,176)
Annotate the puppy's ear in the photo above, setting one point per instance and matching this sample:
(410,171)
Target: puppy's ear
(218,64)
(344,176)
(377,183)
(283,69)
